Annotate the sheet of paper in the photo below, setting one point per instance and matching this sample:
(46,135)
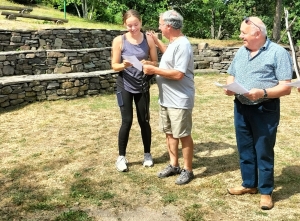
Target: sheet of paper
(235,87)
(294,84)
(134,61)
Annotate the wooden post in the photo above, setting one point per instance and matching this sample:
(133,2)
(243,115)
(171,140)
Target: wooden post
(296,66)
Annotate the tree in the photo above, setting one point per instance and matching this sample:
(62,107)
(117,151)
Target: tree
(277,20)
(203,18)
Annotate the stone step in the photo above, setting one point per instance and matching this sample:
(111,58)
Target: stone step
(206,71)
(8,80)
(23,89)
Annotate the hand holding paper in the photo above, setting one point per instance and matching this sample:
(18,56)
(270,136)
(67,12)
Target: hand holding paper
(134,61)
(294,84)
(235,87)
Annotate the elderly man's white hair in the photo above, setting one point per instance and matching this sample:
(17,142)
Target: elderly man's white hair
(172,18)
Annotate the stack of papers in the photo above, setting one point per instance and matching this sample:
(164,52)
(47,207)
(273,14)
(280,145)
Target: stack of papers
(235,87)
(134,61)
(294,84)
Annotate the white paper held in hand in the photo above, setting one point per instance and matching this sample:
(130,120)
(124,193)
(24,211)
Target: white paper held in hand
(294,84)
(235,87)
(134,61)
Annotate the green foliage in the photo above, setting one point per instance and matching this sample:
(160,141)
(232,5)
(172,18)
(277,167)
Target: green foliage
(215,19)
(25,2)
(293,8)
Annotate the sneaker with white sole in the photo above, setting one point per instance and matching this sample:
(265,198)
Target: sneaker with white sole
(169,171)
(148,161)
(121,164)
(184,177)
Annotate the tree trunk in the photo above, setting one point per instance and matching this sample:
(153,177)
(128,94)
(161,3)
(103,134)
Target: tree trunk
(84,9)
(91,13)
(77,9)
(220,33)
(277,21)
(212,26)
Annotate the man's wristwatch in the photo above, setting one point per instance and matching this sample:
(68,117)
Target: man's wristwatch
(265,93)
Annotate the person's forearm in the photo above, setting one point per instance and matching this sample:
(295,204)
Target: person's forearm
(154,63)
(279,90)
(118,66)
(170,74)
(162,47)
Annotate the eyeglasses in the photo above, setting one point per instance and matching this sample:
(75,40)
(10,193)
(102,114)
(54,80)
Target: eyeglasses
(247,20)
(161,25)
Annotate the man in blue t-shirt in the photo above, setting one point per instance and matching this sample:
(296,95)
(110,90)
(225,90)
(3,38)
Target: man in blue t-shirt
(263,68)
(175,80)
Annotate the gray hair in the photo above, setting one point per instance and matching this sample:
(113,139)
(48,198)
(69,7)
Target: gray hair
(256,23)
(172,18)
(262,27)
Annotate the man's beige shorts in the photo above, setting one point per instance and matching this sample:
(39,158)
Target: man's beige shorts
(175,121)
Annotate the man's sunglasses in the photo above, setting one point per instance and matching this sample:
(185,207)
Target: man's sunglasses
(247,20)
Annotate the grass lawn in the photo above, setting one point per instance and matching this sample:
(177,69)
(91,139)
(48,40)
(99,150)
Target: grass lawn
(57,163)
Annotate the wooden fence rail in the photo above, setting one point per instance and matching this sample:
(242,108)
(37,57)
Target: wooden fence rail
(14,8)
(12,15)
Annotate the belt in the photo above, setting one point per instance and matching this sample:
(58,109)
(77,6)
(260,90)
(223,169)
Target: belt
(269,100)
(247,102)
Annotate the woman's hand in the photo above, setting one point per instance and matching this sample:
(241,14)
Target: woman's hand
(126,64)
(145,61)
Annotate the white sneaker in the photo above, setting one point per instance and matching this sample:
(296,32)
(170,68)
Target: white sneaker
(121,164)
(148,161)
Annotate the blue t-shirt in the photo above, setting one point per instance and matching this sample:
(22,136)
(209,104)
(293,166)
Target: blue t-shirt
(270,65)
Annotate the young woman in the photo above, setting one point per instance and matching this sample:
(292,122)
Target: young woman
(132,84)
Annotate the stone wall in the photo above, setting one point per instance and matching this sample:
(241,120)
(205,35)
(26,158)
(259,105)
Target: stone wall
(38,62)
(68,63)
(21,90)
(60,61)
(60,38)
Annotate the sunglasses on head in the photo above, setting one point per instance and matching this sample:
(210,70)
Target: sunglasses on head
(247,20)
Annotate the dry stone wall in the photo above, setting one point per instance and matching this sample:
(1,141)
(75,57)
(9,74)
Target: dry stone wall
(68,63)
(61,61)
(60,38)
(21,90)
(39,62)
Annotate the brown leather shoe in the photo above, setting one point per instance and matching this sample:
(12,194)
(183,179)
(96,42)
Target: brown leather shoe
(241,190)
(266,202)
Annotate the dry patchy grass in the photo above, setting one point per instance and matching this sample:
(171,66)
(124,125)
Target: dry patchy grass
(58,158)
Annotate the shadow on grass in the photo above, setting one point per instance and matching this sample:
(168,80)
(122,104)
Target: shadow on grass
(23,196)
(218,158)
(20,193)
(214,164)
(287,183)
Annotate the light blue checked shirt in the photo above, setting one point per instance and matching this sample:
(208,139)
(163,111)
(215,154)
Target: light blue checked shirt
(270,65)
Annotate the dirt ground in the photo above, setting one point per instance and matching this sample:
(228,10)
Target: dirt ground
(168,213)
